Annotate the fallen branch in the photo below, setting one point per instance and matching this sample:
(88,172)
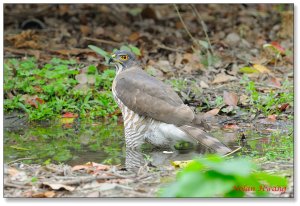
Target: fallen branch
(21,159)
(103,41)
(232,152)
(81,180)
(170,49)
(15,186)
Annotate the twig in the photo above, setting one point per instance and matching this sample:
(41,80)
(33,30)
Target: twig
(203,26)
(15,186)
(184,25)
(170,49)
(103,41)
(25,158)
(80,180)
(232,152)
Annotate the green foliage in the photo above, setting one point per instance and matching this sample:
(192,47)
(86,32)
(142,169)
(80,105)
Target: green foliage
(106,55)
(214,176)
(54,84)
(100,51)
(269,103)
(187,89)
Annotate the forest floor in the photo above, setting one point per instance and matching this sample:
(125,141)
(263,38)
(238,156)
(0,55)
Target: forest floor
(232,63)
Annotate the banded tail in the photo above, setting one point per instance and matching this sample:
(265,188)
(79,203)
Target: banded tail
(205,139)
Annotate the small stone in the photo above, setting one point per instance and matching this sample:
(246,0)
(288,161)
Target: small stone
(232,39)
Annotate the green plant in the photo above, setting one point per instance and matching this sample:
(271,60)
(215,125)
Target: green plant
(106,55)
(214,176)
(269,103)
(48,91)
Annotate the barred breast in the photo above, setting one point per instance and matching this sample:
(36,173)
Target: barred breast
(140,129)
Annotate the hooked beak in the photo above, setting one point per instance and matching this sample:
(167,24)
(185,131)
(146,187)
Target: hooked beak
(112,59)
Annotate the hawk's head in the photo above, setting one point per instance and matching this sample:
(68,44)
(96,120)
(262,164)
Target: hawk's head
(122,60)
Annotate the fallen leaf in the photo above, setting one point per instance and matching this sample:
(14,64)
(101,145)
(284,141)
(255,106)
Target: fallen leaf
(220,78)
(212,112)
(272,118)
(80,167)
(100,167)
(134,36)
(283,107)
(32,100)
(12,171)
(261,68)
(49,194)
(275,81)
(180,164)
(85,30)
(278,47)
(248,70)
(203,85)
(231,126)
(69,115)
(57,186)
(230,98)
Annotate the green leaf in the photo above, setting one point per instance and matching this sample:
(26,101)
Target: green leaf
(204,44)
(135,50)
(100,51)
(34,179)
(248,70)
(126,48)
(135,11)
(92,69)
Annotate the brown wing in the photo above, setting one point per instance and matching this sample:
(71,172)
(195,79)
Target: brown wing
(150,97)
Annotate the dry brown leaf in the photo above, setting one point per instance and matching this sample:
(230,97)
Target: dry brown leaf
(57,186)
(26,39)
(231,126)
(49,194)
(284,107)
(80,167)
(85,30)
(43,194)
(275,81)
(261,68)
(220,78)
(12,171)
(212,112)
(203,85)
(134,36)
(32,100)
(187,57)
(230,98)
(99,31)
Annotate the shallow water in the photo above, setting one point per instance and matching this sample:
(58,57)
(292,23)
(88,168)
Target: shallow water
(81,142)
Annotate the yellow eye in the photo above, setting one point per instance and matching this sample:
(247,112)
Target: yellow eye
(124,57)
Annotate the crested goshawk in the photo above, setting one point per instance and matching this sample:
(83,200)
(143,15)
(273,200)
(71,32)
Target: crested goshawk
(152,111)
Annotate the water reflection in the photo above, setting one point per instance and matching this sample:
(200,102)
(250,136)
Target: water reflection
(82,142)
